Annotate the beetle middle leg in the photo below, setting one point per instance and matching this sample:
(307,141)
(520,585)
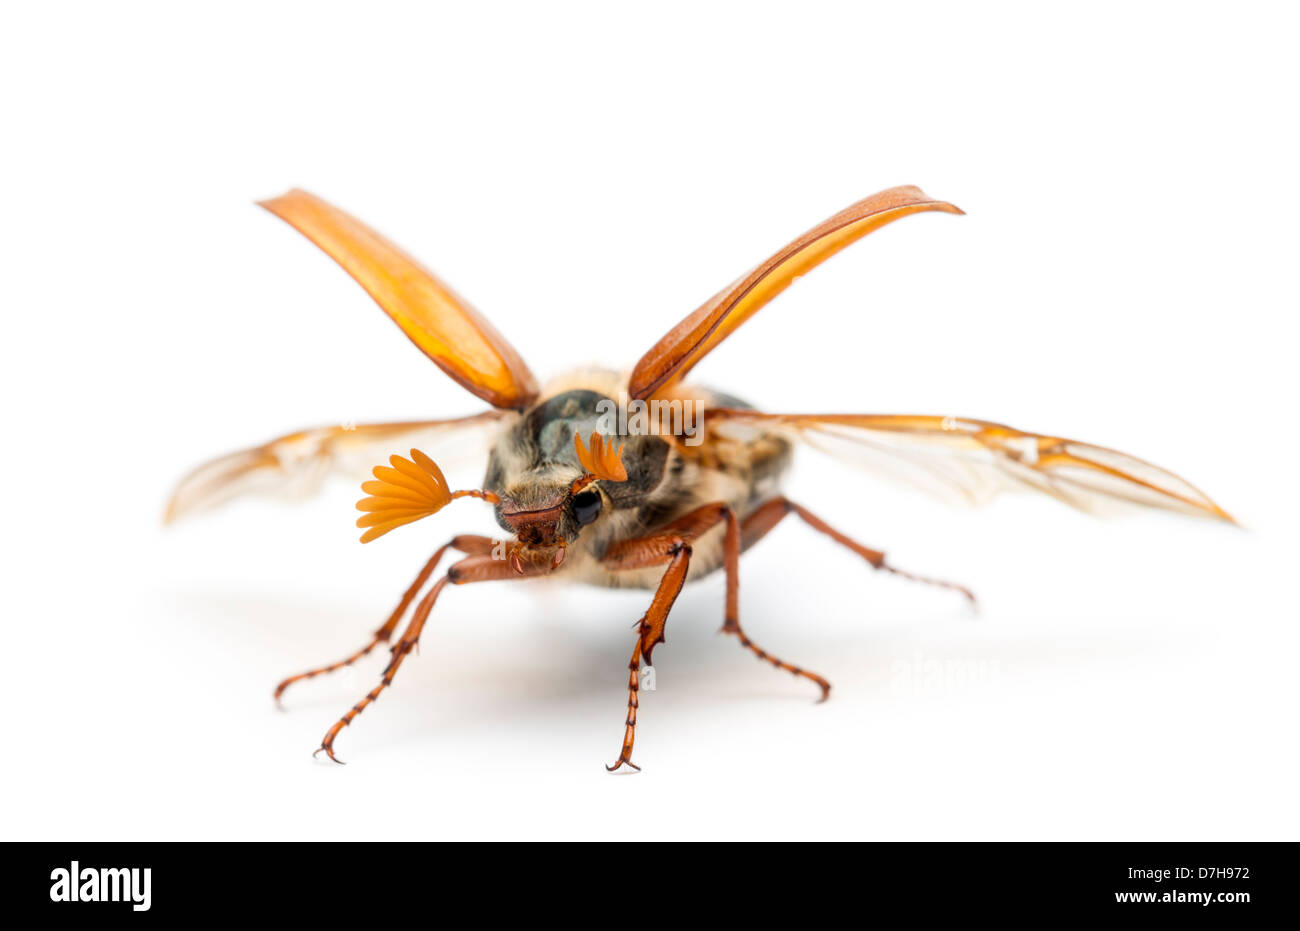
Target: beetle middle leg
(672,544)
(731,547)
(649,550)
(466,543)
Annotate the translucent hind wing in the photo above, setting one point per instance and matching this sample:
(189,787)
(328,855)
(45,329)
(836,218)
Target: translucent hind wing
(295,465)
(973,460)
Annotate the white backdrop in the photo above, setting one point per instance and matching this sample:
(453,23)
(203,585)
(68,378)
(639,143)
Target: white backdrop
(1125,275)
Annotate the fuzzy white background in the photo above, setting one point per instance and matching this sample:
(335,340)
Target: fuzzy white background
(587,175)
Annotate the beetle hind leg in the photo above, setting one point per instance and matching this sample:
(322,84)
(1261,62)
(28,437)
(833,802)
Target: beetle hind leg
(770,513)
(754,528)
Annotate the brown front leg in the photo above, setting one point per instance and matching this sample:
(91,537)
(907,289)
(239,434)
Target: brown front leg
(650,631)
(478,568)
(673,546)
(465,543)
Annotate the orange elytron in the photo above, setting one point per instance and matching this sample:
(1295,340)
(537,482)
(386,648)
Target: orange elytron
(621,502)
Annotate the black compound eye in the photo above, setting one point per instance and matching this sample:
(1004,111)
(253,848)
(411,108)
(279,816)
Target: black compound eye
(586,507)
